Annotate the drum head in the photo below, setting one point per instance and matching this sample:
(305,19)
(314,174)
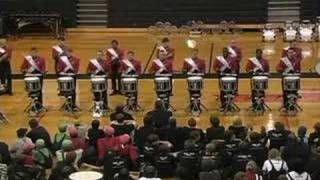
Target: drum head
(260,77)
(228,79)
(86,175)
(129,79)
(290,78)
(65,79)
(194,78)
(98,79)
(31,79)
(162,79)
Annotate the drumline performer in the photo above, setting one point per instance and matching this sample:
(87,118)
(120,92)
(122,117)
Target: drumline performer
(235,51)
(163,67)
(225,64)
(33,64)
(194,66)
(99,66)
(167,49)
(131,68)
(5,67)
(289,64)
(256,66)
(68,65)
(114,55)
(57,51)
(295,47)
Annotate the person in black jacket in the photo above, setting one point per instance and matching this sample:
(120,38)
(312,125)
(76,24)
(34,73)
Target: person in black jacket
(143,132)
(313,165)
(165,162)
(4,153)
(38,132)
(192,126)
(278,137)
(119,110)
(257,149)
(159,117)
(314,137)
(241,159)
(238,129)
(63,169)
(189,159)
(94,133)
(216,131)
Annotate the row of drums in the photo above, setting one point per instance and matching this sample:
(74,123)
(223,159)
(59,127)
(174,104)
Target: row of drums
(163,84)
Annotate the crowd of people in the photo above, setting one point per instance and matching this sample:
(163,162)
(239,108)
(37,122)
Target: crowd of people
(160,149)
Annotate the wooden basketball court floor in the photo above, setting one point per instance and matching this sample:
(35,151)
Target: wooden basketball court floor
(86,42)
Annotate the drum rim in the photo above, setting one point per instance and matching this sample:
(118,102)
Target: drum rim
(195,78)
(65,78)
(128,79)
(97,79)
(229,78)
(260,77)
(162,79)
(292,78)
(31,78)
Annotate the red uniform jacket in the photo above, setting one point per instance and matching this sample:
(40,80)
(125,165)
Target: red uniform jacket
(56,53)
(238,52)
(169,50)
(124,68)
(93,69)
(200,63)
(7,50)
(297,50)
(233,64)
(252,67)
(111,58)
(75,62)
(167,64)
(39,62)
(106,143)
(295,62)
(129,150)
(79,143)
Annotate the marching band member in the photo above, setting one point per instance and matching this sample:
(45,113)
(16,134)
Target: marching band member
(34,64)
(114,56)
(289,64)
(235,51)
(69,64)
(256,65)
(57,51)
(165,48)
(162,66)
(5,67)
(295,47)
(99,66)
(225,64)
(194,64)
(130,65)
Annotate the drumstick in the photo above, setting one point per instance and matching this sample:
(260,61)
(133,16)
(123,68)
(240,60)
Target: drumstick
(211,55)
(150,57)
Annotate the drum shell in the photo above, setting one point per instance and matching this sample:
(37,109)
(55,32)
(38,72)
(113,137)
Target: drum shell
(228,85)
(129,85)
(32,84)
(195,84)
(291,84)
(162,85)
(98,85)
(65,84)
(259,84)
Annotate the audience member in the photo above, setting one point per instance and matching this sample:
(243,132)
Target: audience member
(42,155)
(298,172)
(238,129)
(149,173)
(209,170)
(302,135)
(77,141)
(38,132)
(216,131)
(274,166)
(143,132)
(313,165)
(278,137)
(95,133)
(63,169)
(257,149)
(165,162)
(252,171)
(106,143)
(314,137)
(59,137)
(159,117)
(22,140)
(123,126)
(192,126)
(119,110)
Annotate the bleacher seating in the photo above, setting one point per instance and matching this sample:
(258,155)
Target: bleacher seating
(143,13)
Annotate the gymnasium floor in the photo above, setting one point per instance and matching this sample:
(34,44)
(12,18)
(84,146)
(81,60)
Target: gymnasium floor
(86,42)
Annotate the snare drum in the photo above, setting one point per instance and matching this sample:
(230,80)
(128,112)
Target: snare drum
(98,84)
(194,83)
(290,34)
(291,83)
(228,84)
(269,35)
(32,84)
(162,84)
(259,83)
(306,34)
(129,85)
(86,175)
(65,84)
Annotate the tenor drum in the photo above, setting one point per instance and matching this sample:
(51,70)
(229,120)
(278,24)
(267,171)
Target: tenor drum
(259,83)
(129,85)
(269,35)
(306,34)
(65,84)
(86,175)
(194,83)
(162,84)
(291,83)
(32,84)
(228,84)
(98,84)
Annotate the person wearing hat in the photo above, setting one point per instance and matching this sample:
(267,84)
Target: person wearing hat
(60,136)
(5,67)
(42,155)
(66,148)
